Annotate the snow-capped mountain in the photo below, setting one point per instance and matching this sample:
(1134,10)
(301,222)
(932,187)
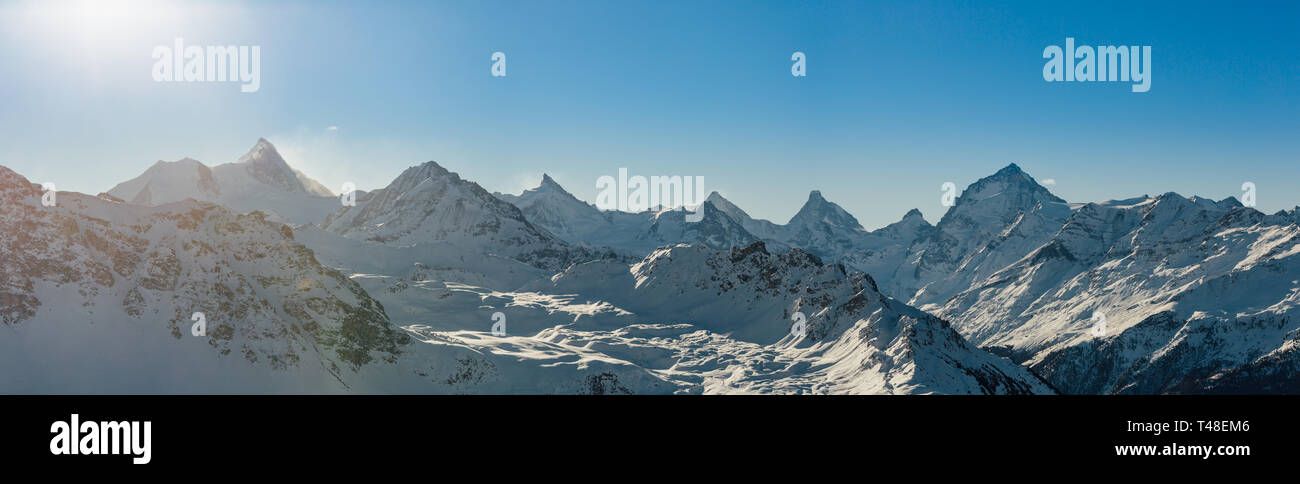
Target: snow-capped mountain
(259,180)
(1021,271)
(995,222)
(823,228)
(714,230)
(737,307)
(559,212)
(762,229)
(1164,294)
(1196,295)
(553,208)
(427,203)
(820,227)
(98,296)
(170,181)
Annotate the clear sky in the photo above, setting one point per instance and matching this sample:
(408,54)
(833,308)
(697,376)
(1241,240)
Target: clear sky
(899,97)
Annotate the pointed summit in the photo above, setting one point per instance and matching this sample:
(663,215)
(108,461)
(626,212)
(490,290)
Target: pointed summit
(265,165)
(759,228)
(1009,182)
(263,150)
(1010,169)
(911,226)
(818,211)
(549,185)
(725,206)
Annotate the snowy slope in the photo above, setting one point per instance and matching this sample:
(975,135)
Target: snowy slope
(1022,271)
(169,181)
(101,293)
(739,303)
(995,222)
(1192,291)
(1198,295)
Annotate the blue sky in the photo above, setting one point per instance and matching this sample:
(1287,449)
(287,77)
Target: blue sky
(899,97)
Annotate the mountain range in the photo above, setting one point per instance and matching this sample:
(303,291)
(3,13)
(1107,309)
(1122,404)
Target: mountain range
(1013,290)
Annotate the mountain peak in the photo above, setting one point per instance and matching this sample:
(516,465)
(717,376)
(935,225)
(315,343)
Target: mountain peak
(264,163)
(263,150)
(428,169)
(1231,202)
(550,185)
(1011,182)
(913,213)
(736,213)
(819,210)
(1010,169)
(721,202)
